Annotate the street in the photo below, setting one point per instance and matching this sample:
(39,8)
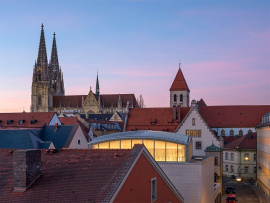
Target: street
(244,192)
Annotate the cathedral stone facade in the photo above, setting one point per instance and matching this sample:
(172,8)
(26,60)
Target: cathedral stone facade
(48,91)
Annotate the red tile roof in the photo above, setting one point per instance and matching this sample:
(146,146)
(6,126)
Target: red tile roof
(106,99)
(179,82)
(162,119)
(70,175)
(234,116)
(243,143)
(40,117)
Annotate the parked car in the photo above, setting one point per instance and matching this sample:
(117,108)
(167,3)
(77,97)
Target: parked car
(230,189)
(231,198)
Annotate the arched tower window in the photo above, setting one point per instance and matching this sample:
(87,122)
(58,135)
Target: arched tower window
(39,99)
(175,98)
(240,133)
(181,97)
(231,133)
(222,132)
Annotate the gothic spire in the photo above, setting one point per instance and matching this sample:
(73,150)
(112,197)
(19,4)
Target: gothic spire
(42,54)
(97,86)
(54,65)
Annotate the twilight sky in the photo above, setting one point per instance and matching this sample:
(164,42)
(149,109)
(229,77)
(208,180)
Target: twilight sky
(224,48)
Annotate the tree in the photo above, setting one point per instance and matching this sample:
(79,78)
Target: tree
(140,102)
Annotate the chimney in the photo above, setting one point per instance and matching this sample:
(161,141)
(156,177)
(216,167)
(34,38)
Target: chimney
(56,126)
(174,113)
(249,134)
(26,168)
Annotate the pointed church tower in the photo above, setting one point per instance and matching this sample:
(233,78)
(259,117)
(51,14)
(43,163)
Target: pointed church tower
(179,91)
(97,86)
(41,79)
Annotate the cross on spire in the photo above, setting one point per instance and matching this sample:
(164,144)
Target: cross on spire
(54,34)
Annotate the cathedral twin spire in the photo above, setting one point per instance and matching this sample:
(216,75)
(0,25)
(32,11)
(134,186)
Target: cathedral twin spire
(51,72)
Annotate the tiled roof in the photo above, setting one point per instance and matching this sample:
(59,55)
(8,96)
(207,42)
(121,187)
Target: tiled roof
(144,134)
(179,82)
(233,116)
(140,119)
(40,117)
(228,139)
(18,139)
(98,121)
(70,176)
(97,116)
(243,143)
(106,99)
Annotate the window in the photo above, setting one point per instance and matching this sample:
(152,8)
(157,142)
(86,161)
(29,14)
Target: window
(216,161)
(21,122)
(175,98)
(33,122)
(240,132)
(232,156)
(198,145)
(246,169)
(9,122)
(222,132)
(193,121)
(226,168)
(231,133)
(181,97)
(39,99)
(191,132)
(246,156)
(250,131)
(153,189)
(255,169)
(195,133)
(199,133)
(226,156)
(79,141)
(255,157)
(187,132)
(232,169)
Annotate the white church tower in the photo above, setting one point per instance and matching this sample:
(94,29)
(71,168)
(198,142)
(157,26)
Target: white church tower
(179,91)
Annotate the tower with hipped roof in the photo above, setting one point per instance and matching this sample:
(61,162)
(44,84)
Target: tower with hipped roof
(179,91)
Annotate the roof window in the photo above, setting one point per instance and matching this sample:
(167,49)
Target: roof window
(153,121)
(21,122)
(33,121)
(9,122)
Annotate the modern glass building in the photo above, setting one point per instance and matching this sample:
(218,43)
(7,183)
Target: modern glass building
(163,146)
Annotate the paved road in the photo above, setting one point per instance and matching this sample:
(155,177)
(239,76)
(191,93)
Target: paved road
(244,193)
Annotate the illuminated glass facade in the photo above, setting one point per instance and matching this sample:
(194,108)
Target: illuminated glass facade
(159,149)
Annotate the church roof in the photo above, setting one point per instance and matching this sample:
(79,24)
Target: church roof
(179,82)
(233,116)
(158,119)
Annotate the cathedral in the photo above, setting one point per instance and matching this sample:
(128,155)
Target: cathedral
(48,91)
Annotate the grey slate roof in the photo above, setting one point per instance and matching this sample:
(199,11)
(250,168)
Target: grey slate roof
(144,134)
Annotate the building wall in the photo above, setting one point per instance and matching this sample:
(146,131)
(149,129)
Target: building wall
(207,137)
(263,159)
(137,187)
(218,167)
(184,103)
(239,163)
(194,181)
(79,135)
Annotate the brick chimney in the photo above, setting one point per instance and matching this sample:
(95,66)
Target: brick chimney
(26,168)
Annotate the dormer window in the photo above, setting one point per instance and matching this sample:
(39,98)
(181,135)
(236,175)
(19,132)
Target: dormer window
(9,122)
(79,141)
(153,121)
(21,122)
(33,121)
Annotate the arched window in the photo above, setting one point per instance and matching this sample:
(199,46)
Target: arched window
(79,141)
(39,100)
(222,132)
(240,133)
(175,98)
(250,131)
(231,133)
(181,97)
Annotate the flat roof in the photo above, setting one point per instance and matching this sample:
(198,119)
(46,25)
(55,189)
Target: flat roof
(144,134)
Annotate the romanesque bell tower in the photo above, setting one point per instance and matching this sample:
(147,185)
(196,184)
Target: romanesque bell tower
(47,78)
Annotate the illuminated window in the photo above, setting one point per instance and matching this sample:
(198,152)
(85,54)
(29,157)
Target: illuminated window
(199,133)
(136,142)
(104,145)
(115,144)
(191,133)
(125,144)
(171,151)
(246,156)
(181,153)
(94,146)
(195,133)
(187,132)
(159,150)
(149,144)
(193,121)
